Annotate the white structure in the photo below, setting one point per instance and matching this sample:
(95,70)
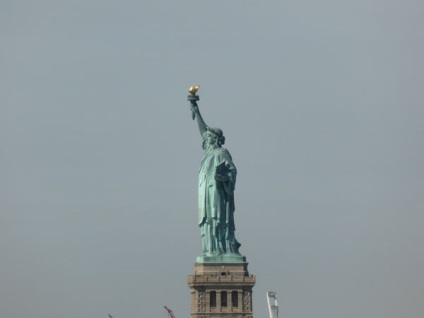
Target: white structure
(272,304)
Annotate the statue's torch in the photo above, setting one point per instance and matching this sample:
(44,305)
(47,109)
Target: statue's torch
(193,98)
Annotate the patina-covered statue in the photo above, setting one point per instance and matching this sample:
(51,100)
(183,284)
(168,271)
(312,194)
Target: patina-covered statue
(217,179)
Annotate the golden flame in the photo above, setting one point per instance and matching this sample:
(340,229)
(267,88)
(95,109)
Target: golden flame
(193,89)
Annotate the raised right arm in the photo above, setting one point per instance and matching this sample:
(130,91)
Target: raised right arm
(200,122)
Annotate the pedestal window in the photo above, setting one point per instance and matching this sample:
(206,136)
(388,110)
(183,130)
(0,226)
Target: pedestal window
(212,299)
(223,299)
(234,299)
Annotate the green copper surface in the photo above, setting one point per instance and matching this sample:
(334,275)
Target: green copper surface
(217,180)
(223,258)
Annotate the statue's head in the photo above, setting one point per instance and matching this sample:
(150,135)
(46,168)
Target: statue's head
(214,136)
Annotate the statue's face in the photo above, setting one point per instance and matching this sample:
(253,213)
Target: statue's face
(211,138)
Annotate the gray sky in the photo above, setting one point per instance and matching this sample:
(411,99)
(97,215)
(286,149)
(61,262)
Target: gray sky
(321,106)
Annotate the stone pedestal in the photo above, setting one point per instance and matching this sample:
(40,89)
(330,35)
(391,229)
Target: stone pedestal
(221,290)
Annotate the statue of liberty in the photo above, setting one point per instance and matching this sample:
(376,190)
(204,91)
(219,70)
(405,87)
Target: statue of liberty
(217,179)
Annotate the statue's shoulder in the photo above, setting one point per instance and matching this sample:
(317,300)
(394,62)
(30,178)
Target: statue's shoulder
(224,153)
(223,150)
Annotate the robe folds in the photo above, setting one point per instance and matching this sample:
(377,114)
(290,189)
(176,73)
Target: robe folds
(216,202)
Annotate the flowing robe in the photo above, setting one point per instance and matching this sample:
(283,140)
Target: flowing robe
(216,203)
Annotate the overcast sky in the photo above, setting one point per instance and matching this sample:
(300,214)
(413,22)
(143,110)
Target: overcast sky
(321,104)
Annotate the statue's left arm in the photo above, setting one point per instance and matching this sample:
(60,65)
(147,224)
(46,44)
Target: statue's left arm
(226,171)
